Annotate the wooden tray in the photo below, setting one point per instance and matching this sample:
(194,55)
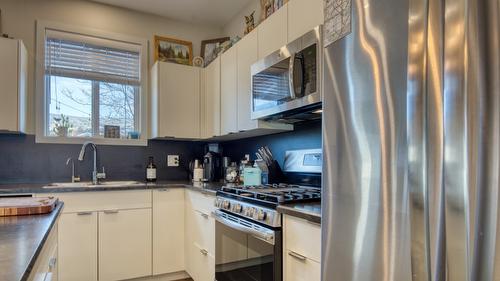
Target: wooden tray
(19,206)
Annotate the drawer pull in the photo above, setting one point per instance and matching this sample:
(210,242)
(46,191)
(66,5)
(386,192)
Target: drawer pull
(204,215)
(84,213)
(52,263)
(297,256)
(204,252)
(111,211)
(162,189)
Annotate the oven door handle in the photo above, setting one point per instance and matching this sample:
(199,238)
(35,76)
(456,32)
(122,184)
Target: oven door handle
(265,235)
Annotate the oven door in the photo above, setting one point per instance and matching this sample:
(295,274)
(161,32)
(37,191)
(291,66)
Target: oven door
(245,250)
(288,79)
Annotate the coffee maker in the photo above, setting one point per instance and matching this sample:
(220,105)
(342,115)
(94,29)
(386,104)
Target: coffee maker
(212,166)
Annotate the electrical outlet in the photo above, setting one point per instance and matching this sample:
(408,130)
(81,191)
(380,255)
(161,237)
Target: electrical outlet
(173,160)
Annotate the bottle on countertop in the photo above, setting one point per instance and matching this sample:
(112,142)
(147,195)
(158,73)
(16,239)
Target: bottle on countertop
(243,164)
(198,171)
(151,170)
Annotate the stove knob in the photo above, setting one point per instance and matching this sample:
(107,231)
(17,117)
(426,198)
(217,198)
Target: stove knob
(261,215)
(226,204)
(250,212)
(256,214)
(238,208)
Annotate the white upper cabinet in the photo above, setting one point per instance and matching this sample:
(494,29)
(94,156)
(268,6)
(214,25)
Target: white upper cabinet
(175,101)
(229,92)
(303,16)
(247,50)
(272,32)
(168,230)
(14,82)
(210,123)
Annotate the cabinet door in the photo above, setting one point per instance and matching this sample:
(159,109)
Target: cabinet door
(229,92)
(9,79)
(77,245)
(124,244)
(179,101)
(272,32)
(247,55)
(168,230)
(300,22)
(300,268)
(211,100)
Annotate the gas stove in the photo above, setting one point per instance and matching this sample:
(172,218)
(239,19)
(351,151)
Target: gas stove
(259,203)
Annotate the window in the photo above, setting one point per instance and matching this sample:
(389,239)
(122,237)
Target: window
(93,88)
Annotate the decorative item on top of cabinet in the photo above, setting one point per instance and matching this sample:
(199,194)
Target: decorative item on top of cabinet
(268,7)
(173,50)
(211,48)
(250,23)
(198,62)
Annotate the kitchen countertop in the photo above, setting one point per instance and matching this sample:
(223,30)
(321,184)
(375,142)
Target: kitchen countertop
(29,188)
(310,211)
(21,241)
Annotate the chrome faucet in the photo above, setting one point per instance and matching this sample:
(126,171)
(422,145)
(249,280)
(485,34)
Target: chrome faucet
(95,175)
(73,177)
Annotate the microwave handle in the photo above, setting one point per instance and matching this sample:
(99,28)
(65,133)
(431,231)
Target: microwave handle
(291,69)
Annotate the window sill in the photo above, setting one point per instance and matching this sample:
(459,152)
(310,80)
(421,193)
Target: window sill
(98,141)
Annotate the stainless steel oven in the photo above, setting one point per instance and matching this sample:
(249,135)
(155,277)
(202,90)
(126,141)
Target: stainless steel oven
(246,250)
(288,79)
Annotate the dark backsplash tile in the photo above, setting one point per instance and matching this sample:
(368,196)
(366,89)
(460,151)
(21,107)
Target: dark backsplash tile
(24,161)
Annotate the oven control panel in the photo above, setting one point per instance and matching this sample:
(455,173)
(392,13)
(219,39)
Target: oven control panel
(263,215)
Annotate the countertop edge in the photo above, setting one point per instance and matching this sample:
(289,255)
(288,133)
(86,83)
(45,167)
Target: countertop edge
(311,217)
(36,254)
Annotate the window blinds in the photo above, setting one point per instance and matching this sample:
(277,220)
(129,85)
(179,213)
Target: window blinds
(91,60)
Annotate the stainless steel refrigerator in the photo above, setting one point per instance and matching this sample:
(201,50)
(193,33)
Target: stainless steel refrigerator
(411,131)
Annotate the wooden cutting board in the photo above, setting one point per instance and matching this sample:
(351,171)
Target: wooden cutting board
(19,206)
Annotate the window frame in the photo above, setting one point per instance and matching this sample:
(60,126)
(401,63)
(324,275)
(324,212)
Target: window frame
(41,87)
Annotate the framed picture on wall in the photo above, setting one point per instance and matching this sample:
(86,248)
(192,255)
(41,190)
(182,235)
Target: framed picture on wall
(210,49)
(173,50)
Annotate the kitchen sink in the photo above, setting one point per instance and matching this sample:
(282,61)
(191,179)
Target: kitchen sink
(106,184)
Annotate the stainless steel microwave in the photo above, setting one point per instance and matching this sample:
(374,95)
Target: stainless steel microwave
(288,80)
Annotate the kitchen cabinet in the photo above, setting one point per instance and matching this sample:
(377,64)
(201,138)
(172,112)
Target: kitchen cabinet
(301,249)
(229,92)
(78,246)
(45,267)
(14,81)
(168,230)
(175,101)
(272,33)
(105,235)
(211,102)
(301,22)
(124,244)
(200,236)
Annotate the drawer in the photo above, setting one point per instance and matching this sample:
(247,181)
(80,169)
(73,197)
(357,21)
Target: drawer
(302,237)
(201,202)
(46,264)
(103,200)
(203,263)
(299,268)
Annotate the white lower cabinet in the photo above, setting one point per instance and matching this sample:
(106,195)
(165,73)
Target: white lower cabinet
(200,236)
(78,246)
(168,230)
(124,244)
(301,249)
(46,265)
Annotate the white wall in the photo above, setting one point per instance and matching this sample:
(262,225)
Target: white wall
(236,26)
(19,17)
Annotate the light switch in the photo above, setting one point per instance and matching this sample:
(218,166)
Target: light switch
(173,160)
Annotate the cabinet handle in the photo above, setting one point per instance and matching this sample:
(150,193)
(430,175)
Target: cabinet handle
(297,256)
(204,252)
(111,211)
(162,189)
(204,215)
(52,263)
(84,213)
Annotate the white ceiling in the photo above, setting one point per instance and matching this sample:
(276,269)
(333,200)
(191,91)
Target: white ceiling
(211,12)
